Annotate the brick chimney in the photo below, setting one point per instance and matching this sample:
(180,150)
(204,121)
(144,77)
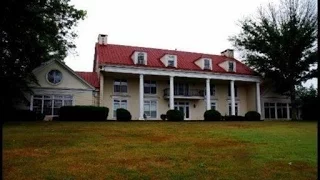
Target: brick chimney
(227,53)
(103,39)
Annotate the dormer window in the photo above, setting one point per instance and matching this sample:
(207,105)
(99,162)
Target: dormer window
(171,62)
(207,64)
(231,66)
(141,58)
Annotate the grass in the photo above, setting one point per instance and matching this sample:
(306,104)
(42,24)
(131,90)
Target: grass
(160,150)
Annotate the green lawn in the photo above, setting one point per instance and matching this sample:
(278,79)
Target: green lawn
(160,150)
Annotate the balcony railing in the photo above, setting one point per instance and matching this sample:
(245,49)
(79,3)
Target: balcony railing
(187,93)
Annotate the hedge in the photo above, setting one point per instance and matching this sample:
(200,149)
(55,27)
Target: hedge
(174,115)
(163,117)
(212,115)
(123,115)
(83,113)
(252,116)
(22,115)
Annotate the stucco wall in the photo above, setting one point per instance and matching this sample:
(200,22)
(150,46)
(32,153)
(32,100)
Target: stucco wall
(251,97)
(197,107)
(68,79)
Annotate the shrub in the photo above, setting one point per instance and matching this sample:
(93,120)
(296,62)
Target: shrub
(252,116)
(123,115)
(83,113)
(174,115)
(234,118)
(163,117)
(212,115)
(23,115)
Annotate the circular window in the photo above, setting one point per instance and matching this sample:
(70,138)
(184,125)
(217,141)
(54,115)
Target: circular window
(54,76)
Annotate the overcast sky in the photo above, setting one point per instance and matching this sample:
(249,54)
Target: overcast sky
(191,25)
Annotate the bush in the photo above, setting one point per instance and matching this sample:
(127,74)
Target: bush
(252,116)
(234,118)
(22,115)
(83,113)
(174,115)
(163,117)
(212,115)
(123,115)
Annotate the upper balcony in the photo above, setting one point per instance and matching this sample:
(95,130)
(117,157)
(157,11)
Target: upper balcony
(184,94)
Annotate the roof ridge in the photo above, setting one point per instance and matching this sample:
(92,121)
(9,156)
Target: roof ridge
(163,49)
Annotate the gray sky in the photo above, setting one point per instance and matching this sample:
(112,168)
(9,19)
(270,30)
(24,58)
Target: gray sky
(191,25)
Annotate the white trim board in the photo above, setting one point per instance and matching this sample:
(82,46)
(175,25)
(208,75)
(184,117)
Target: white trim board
(178,73)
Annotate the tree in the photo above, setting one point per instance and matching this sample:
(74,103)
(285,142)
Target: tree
(308,102)
(280,43)
(32,32)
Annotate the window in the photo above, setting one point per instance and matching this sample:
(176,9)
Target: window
(212,90)
(235,91)
(150,108)
(269,110)
(150,87)
(282,110)
(50,104)
(231,66)
(140,58)
(181,89)
(54,77)
(118,103)
(214,105)
(236,108)
(206,64)
(120,86)
(171,61)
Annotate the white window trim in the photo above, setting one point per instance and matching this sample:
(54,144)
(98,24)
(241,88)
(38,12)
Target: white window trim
(150,94)
(212,101)
(167,60)
(189,104)
(157,109)
(120,99)
(235,102)
(234,66)
(276,109)
(203,63)
(134,57)
(42,101)
(121,80)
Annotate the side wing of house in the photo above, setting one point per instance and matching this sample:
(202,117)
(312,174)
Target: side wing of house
(58,85)
(275,105)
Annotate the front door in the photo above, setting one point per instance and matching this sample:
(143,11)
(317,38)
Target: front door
(184,108)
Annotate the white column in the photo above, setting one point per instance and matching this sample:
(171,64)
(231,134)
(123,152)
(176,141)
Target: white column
(233,107)
(31,103)
(171,93)
(101,90)
(208,94)
(258,98)
(141,101)
(288,111)
(276,110)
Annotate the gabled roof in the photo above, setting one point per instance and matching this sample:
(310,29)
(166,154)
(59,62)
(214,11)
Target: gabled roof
(66,67)
(91,77)
(121,55)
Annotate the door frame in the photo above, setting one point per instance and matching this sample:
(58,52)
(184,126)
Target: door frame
(186,103)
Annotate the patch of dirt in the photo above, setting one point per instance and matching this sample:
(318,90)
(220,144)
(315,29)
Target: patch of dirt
(288,170)
(219,143)
(25,152)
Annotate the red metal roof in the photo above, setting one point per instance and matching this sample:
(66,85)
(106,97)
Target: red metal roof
(121,55)
(91,77)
